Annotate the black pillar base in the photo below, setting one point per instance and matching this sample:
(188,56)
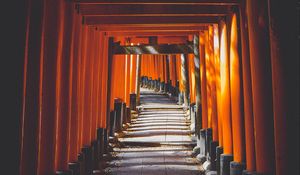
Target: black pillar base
(87,152)
(63,172)
(180,98)
(81,163)
(236,168)
(225,160)
(201,158)
(132,101)
(105,141)
(74,167)
(245,172)
(213,155)
(219,151)
(211,173)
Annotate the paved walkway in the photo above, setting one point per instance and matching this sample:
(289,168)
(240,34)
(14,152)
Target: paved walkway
(158,141)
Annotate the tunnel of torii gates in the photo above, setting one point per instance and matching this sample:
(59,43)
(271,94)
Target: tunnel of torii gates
(225,62)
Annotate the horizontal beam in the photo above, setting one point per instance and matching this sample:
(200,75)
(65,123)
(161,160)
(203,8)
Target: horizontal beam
(152,10)
(160,39)
(202,2)
(148,28)
(159,49)
(93,20)
(152,33)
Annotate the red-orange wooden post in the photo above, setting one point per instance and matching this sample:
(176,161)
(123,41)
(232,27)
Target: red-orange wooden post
(138,78)
(285,80)
(30,106)
(261,85)
(238,164)
(226,157)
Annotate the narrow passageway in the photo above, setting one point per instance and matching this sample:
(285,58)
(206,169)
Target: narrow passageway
(154,87)
(158,140)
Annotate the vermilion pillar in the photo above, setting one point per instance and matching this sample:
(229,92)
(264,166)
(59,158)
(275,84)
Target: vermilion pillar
(247,91)
(212,67)
(48,71)
(236,94)
(138,77)
(261,85)
(73,89)
(225,90)
(132,73)
(30,108)
(63,81)
(198,118)
(204,123)
(218,82)
(208,49)
(285,80)
(185,78)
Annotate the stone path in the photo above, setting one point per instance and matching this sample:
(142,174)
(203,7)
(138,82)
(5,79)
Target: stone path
(158,141)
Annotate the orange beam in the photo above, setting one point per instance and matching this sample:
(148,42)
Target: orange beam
(152,10)
(149,27)
(93,20)
(201,2)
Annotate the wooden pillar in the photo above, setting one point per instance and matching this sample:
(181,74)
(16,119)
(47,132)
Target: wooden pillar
(218,82)
(203,80)
(30,106)
(48,72)
(261,85)
(73,89)
(247,91)
(214,109)
(138,77)
(285,80)
(236,96)
(167,83)
(225,90)
(63,98)
(108,88)
(185,79)
(198,118)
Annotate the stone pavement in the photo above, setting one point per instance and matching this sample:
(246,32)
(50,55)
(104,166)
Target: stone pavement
(157,142)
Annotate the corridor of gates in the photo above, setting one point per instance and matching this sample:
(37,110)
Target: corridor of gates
(159,87)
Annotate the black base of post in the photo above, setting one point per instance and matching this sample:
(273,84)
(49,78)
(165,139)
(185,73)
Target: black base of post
(133,101)
(95,157)
(105,141)
(180,98)
(100,143)
(201,157)
(219,151)
(213,147)
(208,139)
(112,116)
(87,152)
(192,117)
(211,173)
(236,168)
(81,163)
(245,172)
(74,167)
(225,160)
(63,172)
